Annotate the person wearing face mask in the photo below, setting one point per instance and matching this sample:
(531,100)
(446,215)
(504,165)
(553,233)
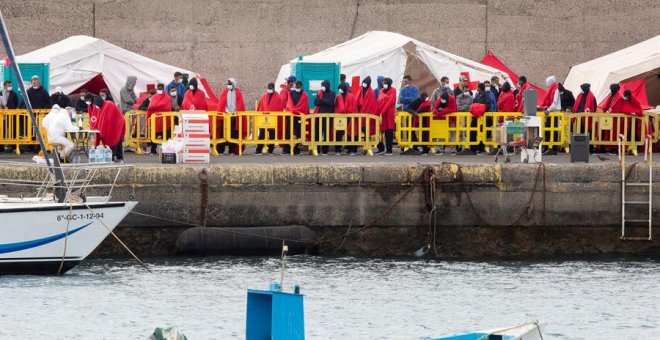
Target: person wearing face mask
(443,88)
(506,102)
(57,122)
(408,93)
(386,110)
(445,105)
(464,99)
(127,97)
(345,103)
(462,85)
(106,95)
(230,101)
(270,102)
(613,102)
(495,86)
(522,87)
(59,98)
(379,82)
(38,96)
(111,126)
(194,99)
(177,82)
(159,102)
(366,102)
(10,98)
(551,103)
(566,97)
(297,104)
(585,101)
(81,106)
(177,100)
(325,103)
(420,105)
(286,88)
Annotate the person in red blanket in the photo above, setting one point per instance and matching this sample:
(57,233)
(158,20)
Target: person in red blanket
(366,102)
(613,103)
(160,102)
(522,87)
(631,106)
(298,104)
(585,102)
(110,124)
(551,103)
(286,88)
(269,102)
(231,101)
(444,105)
(345,103)
(194,99)
(505,101)
(419,105)
(386,108)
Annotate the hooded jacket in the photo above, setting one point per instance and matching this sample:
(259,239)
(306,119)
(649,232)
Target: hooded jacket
(379,80)
(585,101)
(386,107)
(505,101)
(127,96)
(194,99)
(325,100)
(614,100)
(56,122)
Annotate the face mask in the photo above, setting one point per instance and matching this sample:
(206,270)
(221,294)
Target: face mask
(82,98)
(176,81)
(103,97)
(270,90)
(323,88)
(231,87)
(35,86)
(406,85)
(191,87)
(625,98)
(9,88)
(173,94)
(427,99)
(298,89)
(88,103)
(293,88)
(487,88)
(443,101)
(386,86)
(365,85)
(520,84)
(341,91)
(159,91)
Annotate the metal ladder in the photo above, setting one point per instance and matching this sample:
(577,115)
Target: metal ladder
(648,159)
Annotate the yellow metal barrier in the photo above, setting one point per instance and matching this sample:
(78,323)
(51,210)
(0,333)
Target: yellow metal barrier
(604,128)
(16,128)
(275,128)
(490,123)
(162,126)
(138,132)
(454,129)
(554,129)
(340,129)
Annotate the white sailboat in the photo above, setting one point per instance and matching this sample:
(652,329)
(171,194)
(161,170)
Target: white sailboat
(54,223)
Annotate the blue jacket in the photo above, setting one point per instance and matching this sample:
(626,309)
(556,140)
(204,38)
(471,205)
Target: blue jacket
(180,89)
(379,79)
(492,107)
(407,95)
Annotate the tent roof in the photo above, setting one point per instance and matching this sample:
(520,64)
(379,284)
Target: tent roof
(77,59)
(367,53)
(615,67)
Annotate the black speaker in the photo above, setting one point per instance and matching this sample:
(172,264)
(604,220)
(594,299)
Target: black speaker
(580,148)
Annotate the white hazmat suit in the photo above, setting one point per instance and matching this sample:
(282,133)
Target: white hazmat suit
(57,122)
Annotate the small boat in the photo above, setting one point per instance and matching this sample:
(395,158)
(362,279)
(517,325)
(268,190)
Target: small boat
(527,331)
(54,223)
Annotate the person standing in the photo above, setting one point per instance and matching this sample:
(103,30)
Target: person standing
(386,109)
(379,83)
(177,82)
(10,98)
(495,86)
(194,99)
(269,102)
(420,105)
(366,102)
(505,101)
(111,127)
(285,89)
(565,97)
(127,97)
(445,105)
(443,88)
(585,101)
(81,106)
(408,93)
(158,103)
(231,101)
(38,96)
(522,87)
(297,104)
(551,103)
(345,103)
(325,103)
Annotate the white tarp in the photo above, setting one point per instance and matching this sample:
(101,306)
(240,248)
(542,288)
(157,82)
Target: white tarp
(77,59)
(387,54)
(615,67)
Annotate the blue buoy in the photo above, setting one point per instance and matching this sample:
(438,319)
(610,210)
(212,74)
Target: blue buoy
(274,314)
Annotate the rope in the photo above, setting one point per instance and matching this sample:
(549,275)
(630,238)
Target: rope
(66,239)
(118,239)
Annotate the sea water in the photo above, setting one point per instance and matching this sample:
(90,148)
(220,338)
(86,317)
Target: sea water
(345,298)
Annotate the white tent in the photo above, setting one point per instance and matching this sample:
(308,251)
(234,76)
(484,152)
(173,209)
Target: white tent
(394,55)
(76,60)
(637,61)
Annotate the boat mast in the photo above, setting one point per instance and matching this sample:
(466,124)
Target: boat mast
(55,169)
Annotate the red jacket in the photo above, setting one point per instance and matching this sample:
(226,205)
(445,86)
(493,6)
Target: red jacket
(549,96)
(285,92)
(159,103)
(270,102)
(110,124)
(366,101)
(385,108)
(439,112)
(505,102)
(194,101)
(302,108)
(519,98)
(346,103)
(632,107)
(589,103)
(612,103)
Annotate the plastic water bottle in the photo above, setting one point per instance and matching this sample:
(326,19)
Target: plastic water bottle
(92,154)
(99,154)
(107,154)
(80,121)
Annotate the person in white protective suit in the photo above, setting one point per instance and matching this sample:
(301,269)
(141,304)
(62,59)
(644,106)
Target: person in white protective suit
(57,122)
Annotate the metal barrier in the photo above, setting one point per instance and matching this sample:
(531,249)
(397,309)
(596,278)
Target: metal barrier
(16,128)
(604,128)
(554,129)
(138,132)
(340,129)
(490,124)
(264,128)
(454,129)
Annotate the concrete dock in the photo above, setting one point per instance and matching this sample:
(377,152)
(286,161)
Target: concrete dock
(482,209)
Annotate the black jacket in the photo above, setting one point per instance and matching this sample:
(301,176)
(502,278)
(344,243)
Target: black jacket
(567,100)
(12,100)
(81,106)
(39,98)
(482,98)
(60,99)
(327,103)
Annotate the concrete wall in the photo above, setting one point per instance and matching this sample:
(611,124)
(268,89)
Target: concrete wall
(251,39)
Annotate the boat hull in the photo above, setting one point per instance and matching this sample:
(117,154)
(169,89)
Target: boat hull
(39,238)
